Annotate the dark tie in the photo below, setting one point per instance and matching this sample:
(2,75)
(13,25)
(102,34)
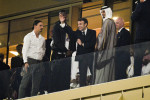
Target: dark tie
(83,33)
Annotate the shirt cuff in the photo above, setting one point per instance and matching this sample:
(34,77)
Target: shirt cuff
(25,60)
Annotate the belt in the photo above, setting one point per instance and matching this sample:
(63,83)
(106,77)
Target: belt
(61,53)
(35,59)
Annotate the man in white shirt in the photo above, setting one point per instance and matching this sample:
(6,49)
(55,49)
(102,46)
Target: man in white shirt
(33,52)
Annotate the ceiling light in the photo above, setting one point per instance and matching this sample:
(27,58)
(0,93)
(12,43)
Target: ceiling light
(14,53)
(115,18)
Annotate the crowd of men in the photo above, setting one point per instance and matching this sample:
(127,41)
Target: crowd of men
(108,63)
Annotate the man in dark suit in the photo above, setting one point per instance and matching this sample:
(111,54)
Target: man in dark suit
(122,57)
(141,16)
(86,40)
(63,46)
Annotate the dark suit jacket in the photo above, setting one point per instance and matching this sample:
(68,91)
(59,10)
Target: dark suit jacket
(123,38)
(3,66)
(16,62)
(89,41)
(141,16)
(59,36)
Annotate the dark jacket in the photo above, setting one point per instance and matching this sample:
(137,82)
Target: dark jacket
(89,41)
(123,47)
(16,62)
(3,66)
(141,16)
(59,36)
(47,51)
(123,38)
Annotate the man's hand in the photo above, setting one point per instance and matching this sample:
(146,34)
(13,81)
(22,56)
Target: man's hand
(141,1)
(26,66)
(69,53)
(79,42)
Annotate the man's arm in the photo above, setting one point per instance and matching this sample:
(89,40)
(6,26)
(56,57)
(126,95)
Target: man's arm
(25,49)
(44,47)
(137,13)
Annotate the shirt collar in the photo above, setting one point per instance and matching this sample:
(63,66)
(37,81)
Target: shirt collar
(85,31)
(120,29)
(62,25)
(33,33)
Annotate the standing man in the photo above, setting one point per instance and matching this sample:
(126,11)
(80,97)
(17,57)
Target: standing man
(86,40)
(122,56)
(141,16)
(106,41)
(33,52)
(63,46)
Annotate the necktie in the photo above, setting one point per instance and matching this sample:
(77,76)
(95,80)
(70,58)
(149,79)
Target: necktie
(83,33)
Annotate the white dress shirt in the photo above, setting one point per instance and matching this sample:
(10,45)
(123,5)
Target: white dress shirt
(33,47)
(120,29)
(85,31)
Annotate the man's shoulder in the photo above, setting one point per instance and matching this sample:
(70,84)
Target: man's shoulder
(92,31)
(125,30)
(28,35)
(43,38)
(17,58)
(57,23)
(110,20)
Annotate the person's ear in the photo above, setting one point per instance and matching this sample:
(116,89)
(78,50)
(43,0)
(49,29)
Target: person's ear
(86,24)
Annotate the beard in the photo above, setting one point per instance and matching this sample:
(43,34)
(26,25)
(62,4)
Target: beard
(41,30)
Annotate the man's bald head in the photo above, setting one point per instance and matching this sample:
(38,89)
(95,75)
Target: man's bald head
(119,23)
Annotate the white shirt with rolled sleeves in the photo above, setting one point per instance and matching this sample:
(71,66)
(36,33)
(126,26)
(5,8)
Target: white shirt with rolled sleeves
(33,47)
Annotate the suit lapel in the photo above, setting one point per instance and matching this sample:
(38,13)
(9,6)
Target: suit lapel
(87,34)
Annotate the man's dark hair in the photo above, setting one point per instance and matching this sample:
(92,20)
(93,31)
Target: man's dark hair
(36,22)
(1,57)
(19,47)
(63,12)
(83,19)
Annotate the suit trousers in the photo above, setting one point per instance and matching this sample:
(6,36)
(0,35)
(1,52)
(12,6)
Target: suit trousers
(85,61)
(60,72)
(32,77)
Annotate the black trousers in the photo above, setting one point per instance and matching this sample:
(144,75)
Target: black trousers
(139,50)
(122,61)
(85,61)
(33,77)
(4,84)
(60,72)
